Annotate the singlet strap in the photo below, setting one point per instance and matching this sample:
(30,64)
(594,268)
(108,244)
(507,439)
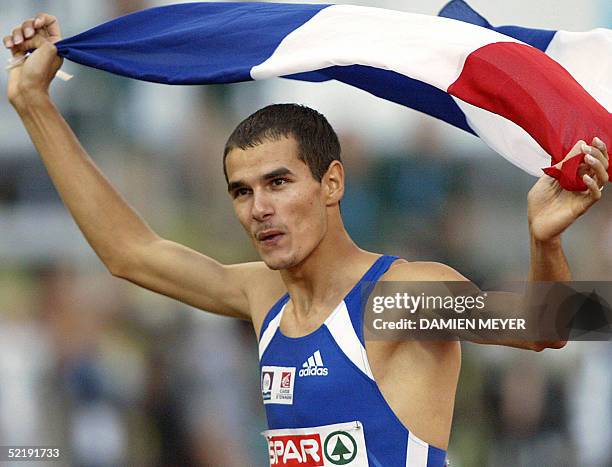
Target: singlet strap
(364,288)
(272,313)
(378,268)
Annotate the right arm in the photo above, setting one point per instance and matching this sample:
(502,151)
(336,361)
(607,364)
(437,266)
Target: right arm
(120,237)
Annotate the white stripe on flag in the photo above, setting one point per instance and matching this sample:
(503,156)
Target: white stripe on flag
(506,138)
(427,48)
(578,52)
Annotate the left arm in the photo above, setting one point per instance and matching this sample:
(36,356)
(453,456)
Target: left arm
(548,262)
(551,210)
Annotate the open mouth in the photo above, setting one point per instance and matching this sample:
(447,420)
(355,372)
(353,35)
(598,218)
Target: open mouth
(269,237)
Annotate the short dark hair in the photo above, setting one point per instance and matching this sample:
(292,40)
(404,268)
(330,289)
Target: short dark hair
(318,143)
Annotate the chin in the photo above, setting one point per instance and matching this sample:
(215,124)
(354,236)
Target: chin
(279,263)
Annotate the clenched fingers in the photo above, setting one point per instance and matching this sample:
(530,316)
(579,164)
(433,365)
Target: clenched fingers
(599,144)
(42,22)
(597,166)
(50,24)
(597,159)
(7,41)
(27,28)
(592,189)
(17,36)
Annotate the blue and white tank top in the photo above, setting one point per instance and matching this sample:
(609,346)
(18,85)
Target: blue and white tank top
(322,403)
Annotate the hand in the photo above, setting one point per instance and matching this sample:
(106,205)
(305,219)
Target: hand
(551,209)
(33,76)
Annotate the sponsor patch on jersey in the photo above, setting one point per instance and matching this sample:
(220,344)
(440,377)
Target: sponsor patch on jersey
(320,446)
(277,384)
(313,366)
(286,379)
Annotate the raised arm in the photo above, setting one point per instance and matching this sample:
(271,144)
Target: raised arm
(120,237)
(551,210)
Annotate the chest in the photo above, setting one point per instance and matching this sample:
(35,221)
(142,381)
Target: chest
(306,378)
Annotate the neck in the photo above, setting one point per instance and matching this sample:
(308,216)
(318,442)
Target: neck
(309,284)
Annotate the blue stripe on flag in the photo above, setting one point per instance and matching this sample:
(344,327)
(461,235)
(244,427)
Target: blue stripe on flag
(396,88)
(459,10)
(133,45)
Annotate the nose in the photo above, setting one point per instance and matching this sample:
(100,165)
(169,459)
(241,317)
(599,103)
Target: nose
(262,208)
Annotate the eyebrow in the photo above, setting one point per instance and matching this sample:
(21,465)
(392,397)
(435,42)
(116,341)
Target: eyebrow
(231,186)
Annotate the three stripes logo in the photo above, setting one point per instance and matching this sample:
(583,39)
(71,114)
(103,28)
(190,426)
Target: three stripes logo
(314,366)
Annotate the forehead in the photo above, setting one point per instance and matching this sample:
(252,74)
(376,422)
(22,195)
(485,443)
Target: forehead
(263,158)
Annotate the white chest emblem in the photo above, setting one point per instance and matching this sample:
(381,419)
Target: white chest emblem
(314,366)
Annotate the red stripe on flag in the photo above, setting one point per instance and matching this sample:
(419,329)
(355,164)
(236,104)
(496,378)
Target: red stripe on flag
(522,84)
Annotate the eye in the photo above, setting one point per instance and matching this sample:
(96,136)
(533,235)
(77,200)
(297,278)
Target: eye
(278,181)
(241,192)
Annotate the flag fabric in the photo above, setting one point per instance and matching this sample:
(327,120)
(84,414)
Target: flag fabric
(586,55)
(485,80)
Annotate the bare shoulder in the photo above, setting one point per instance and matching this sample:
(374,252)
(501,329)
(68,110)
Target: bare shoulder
(402,270)
(426,271)
(262,286)
(257,279)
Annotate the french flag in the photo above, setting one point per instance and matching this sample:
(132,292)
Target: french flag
(529,94)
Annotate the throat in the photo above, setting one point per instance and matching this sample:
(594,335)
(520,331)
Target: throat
(296,325)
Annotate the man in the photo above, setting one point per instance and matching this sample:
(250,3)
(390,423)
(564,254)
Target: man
(331,398)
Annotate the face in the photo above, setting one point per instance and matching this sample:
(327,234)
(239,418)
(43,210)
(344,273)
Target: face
(277,201)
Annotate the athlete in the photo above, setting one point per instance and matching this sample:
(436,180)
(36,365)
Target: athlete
(331,397)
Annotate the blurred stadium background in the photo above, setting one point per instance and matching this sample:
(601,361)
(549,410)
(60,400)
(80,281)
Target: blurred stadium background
(117,375)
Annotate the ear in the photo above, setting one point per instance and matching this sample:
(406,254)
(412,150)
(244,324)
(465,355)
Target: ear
(333,183)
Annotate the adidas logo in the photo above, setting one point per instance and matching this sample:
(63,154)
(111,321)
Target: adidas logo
(313,366)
